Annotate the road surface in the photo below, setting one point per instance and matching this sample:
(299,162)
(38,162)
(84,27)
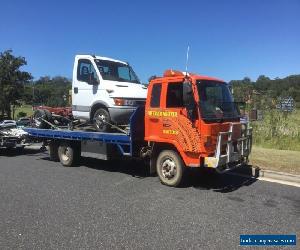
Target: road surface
(115,205)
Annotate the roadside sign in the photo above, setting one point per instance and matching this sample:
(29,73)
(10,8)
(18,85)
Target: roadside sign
(286,104)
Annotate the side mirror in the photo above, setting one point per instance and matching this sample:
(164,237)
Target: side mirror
(188,99)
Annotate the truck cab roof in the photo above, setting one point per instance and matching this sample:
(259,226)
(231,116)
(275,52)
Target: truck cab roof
(98,57)
(175,75)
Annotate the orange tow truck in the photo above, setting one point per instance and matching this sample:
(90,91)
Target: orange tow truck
(188,120)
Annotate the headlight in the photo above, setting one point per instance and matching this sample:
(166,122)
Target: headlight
(123,102)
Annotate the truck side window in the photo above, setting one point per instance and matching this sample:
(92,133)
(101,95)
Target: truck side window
(84,69)
(155,95)
(174,95)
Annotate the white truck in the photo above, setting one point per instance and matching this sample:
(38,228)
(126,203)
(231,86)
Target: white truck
(105,91)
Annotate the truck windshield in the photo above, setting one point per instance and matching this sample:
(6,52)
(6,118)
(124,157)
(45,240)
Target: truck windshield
(216,102)
(115,71)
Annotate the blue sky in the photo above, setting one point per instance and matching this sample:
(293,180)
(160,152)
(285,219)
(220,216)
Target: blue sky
(228,39)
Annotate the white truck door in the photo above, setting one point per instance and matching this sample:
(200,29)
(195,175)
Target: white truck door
(84,86)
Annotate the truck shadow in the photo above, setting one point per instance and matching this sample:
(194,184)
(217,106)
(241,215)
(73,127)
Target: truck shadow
(134,168)
(202,179)
(199,179)
(206,179)
(13,152)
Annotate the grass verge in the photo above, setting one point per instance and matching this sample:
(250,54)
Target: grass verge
(277,160)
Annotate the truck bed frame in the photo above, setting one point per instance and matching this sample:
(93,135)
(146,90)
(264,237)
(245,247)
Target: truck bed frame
(123,142)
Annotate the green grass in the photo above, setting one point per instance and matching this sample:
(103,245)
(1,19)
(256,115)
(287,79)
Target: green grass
(276,142)
(278,131)
(278,160)
(24,108)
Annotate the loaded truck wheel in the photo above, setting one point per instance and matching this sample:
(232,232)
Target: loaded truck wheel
(101,119)
(68,154)
(170,168)
(40,115)
(53,151)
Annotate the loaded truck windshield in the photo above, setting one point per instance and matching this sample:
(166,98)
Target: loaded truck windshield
(115,71)
(216,101)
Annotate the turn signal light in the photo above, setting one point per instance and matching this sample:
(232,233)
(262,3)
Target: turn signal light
(119,102)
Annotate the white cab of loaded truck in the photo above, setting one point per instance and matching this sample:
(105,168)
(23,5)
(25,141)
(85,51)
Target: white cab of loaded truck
(105,91)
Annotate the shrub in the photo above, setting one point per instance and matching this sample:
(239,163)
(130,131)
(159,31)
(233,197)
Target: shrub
(21,114)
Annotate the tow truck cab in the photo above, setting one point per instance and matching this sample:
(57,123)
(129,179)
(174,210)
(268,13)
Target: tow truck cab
(196,115)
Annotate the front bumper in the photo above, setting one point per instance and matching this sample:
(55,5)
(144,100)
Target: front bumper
(234,155)
(121,115)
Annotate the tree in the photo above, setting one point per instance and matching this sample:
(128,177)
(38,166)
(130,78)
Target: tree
(242,89)
(49,91)
(265,92)
(12,80)
(246,80)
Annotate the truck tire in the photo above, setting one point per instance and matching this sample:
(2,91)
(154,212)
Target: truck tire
(170,168)
(53,151)
(68,154)
(101,116)
(40,114)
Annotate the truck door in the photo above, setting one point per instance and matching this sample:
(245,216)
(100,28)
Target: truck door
(153,113)
(85,85)
(165,113)
(179,117)
(174,109)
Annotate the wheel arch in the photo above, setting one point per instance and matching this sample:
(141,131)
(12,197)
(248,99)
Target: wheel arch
(97,105)
(157,147)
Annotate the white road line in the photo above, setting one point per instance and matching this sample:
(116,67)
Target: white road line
(290,183)
(279,181)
